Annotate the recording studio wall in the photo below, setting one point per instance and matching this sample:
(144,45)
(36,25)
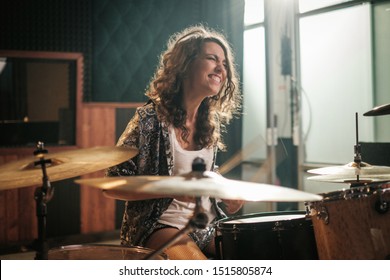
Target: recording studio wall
(120,41)
(57,25)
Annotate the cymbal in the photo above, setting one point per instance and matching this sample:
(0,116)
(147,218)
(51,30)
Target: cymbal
(352,169)
(198,183)
(350,179)
(64,165)
(379,110)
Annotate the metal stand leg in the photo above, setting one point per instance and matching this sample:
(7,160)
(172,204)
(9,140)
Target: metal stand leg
(42,195)
(199,220)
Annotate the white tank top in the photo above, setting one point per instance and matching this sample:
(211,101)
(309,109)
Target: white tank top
(179,212)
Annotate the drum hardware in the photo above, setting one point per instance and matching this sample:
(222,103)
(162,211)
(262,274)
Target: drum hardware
(357,147)
(356,173)
(381,205)
(199,219)
(101,252)
(278,226)
(354,210)
(235,232)
(319,214)
(42,195)
(60,166)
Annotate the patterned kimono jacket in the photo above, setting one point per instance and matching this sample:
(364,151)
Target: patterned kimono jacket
(154,157)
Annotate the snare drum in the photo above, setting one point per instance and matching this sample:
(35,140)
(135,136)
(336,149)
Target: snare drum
(274,236)
(101,252)
(353,223)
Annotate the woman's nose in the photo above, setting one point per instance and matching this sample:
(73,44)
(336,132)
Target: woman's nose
(219,67)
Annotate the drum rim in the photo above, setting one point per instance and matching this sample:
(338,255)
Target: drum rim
(223,225)
(259,214)
(350,193)
(73,247)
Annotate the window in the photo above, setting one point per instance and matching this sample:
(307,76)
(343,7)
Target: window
(336,80)
(254,82)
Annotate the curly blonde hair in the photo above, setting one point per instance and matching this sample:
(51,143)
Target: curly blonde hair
(165,88)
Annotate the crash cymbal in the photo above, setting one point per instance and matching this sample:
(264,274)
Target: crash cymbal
(64,165)
(340,178)
(379,110)
(352,169)
(197,184)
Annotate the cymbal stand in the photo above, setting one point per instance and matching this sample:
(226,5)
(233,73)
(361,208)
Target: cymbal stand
(42,195)
(199,220)
(357,148)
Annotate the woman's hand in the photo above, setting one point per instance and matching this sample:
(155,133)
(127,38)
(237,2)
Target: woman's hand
(232,206)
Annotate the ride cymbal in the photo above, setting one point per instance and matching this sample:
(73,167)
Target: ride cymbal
(64,165)
(379,110)
(352,169)
(196,183)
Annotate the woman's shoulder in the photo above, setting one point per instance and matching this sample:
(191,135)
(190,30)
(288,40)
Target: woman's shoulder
(148,117)
(148,109)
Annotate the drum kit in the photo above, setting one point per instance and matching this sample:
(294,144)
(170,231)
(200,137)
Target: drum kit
(353,223)
(41,170)
(347,224)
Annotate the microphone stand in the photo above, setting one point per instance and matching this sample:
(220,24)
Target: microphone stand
(42,195)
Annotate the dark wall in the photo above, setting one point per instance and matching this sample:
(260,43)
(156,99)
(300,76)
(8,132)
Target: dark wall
(49,25)
(128,37)
(120,39)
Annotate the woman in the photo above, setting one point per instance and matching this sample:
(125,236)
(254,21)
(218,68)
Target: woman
(193,94)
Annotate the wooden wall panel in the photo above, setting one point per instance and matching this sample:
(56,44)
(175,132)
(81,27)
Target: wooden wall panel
(17,214)
(95,127)
(98,129)
(27,209)
(18,221)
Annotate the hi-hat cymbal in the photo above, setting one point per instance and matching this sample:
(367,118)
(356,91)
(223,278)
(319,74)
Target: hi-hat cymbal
(197,184)
(379,110)
(340,178)
(352,169)
(64,165)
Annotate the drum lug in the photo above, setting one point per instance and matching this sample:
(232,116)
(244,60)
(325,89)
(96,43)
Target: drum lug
(320,214)
(278,226)
(235,231)
(381,205)
(323,215)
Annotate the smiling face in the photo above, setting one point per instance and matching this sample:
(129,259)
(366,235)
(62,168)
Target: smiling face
(207,73)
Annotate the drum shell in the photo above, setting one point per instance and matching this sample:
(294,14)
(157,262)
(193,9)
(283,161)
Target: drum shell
(101,252)
(347,224)
(273,240)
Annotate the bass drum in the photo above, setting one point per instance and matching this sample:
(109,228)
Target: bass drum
(353,224)
(286,235)
(101,252)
